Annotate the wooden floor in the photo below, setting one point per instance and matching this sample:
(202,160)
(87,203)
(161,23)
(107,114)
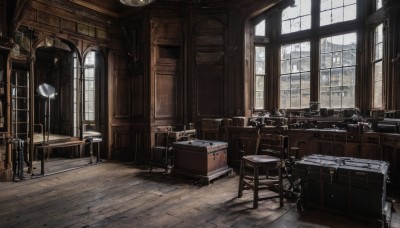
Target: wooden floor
(123,195)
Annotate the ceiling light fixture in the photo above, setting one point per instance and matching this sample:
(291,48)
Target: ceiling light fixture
(136,3)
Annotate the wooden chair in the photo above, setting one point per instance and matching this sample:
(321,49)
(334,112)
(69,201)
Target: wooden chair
(269,155)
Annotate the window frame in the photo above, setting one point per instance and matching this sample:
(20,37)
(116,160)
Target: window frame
(260,41)
(374,62)
(95,89)
(314,35)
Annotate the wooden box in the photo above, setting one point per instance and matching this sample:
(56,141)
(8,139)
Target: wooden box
(203,159)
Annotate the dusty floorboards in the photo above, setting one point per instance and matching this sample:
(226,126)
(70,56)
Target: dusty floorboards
(123,195)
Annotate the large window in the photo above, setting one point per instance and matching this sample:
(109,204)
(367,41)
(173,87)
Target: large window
(377,66)
(295,75)
(260,66)
(89,87)
(338,71)
(335,57)
(260,77)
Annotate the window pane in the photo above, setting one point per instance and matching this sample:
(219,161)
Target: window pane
(285,99)
(378,95)
(259,100)
(335,11)
(378,42)
(349,13)
(295,81)
(295,98)
(295,66)
(349,58)
(326,61)
(349,2)
(326,4)
(305,49)
(296,18)
(325,96)
(337,3)
(260,28)
(260,60)
(378,4)
(325,18)
(285,67)
(89,86)
(295,25)
(377,67)
(260,70)
(337,83)
(285,82)
(285,27)
(305,64)
(285,52)
(305,80)
(337,15)
(378,71)
(325,78)
(295,87)
(348,93)
(305,97)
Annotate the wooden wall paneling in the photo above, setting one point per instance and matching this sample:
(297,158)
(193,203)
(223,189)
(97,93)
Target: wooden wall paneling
(48,19)
(109,137)
(167,31)
(166,67)
(122,95)
(122,88)
(122,143)
(138,95)
(166,99)
(65,20)
(209,68)
(209,93)
(140,143)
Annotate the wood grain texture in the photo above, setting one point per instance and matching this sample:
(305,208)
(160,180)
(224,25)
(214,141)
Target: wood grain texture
(122,195)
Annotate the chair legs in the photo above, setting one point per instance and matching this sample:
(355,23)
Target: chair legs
(240,192)
(280,186)
(255,193)
(255,185)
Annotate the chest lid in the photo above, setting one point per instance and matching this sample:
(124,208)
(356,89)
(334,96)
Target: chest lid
(200,145)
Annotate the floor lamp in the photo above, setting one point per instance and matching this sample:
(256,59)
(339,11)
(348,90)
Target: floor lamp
(49,92)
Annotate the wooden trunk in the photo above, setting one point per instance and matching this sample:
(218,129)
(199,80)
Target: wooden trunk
(204,159)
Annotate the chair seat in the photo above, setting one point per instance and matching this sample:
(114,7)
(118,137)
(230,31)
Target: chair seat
(272,145)
(261,159)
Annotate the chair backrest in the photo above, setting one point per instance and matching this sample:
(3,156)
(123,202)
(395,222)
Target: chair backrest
(272,144)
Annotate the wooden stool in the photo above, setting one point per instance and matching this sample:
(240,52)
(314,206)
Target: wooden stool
(256,162)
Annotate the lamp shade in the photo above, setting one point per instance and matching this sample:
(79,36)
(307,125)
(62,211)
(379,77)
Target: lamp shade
(136,3)
(47,91)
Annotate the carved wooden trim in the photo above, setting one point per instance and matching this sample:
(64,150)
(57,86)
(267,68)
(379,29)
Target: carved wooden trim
(79,9)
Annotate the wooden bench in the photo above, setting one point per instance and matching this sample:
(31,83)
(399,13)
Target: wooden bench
(78,144)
